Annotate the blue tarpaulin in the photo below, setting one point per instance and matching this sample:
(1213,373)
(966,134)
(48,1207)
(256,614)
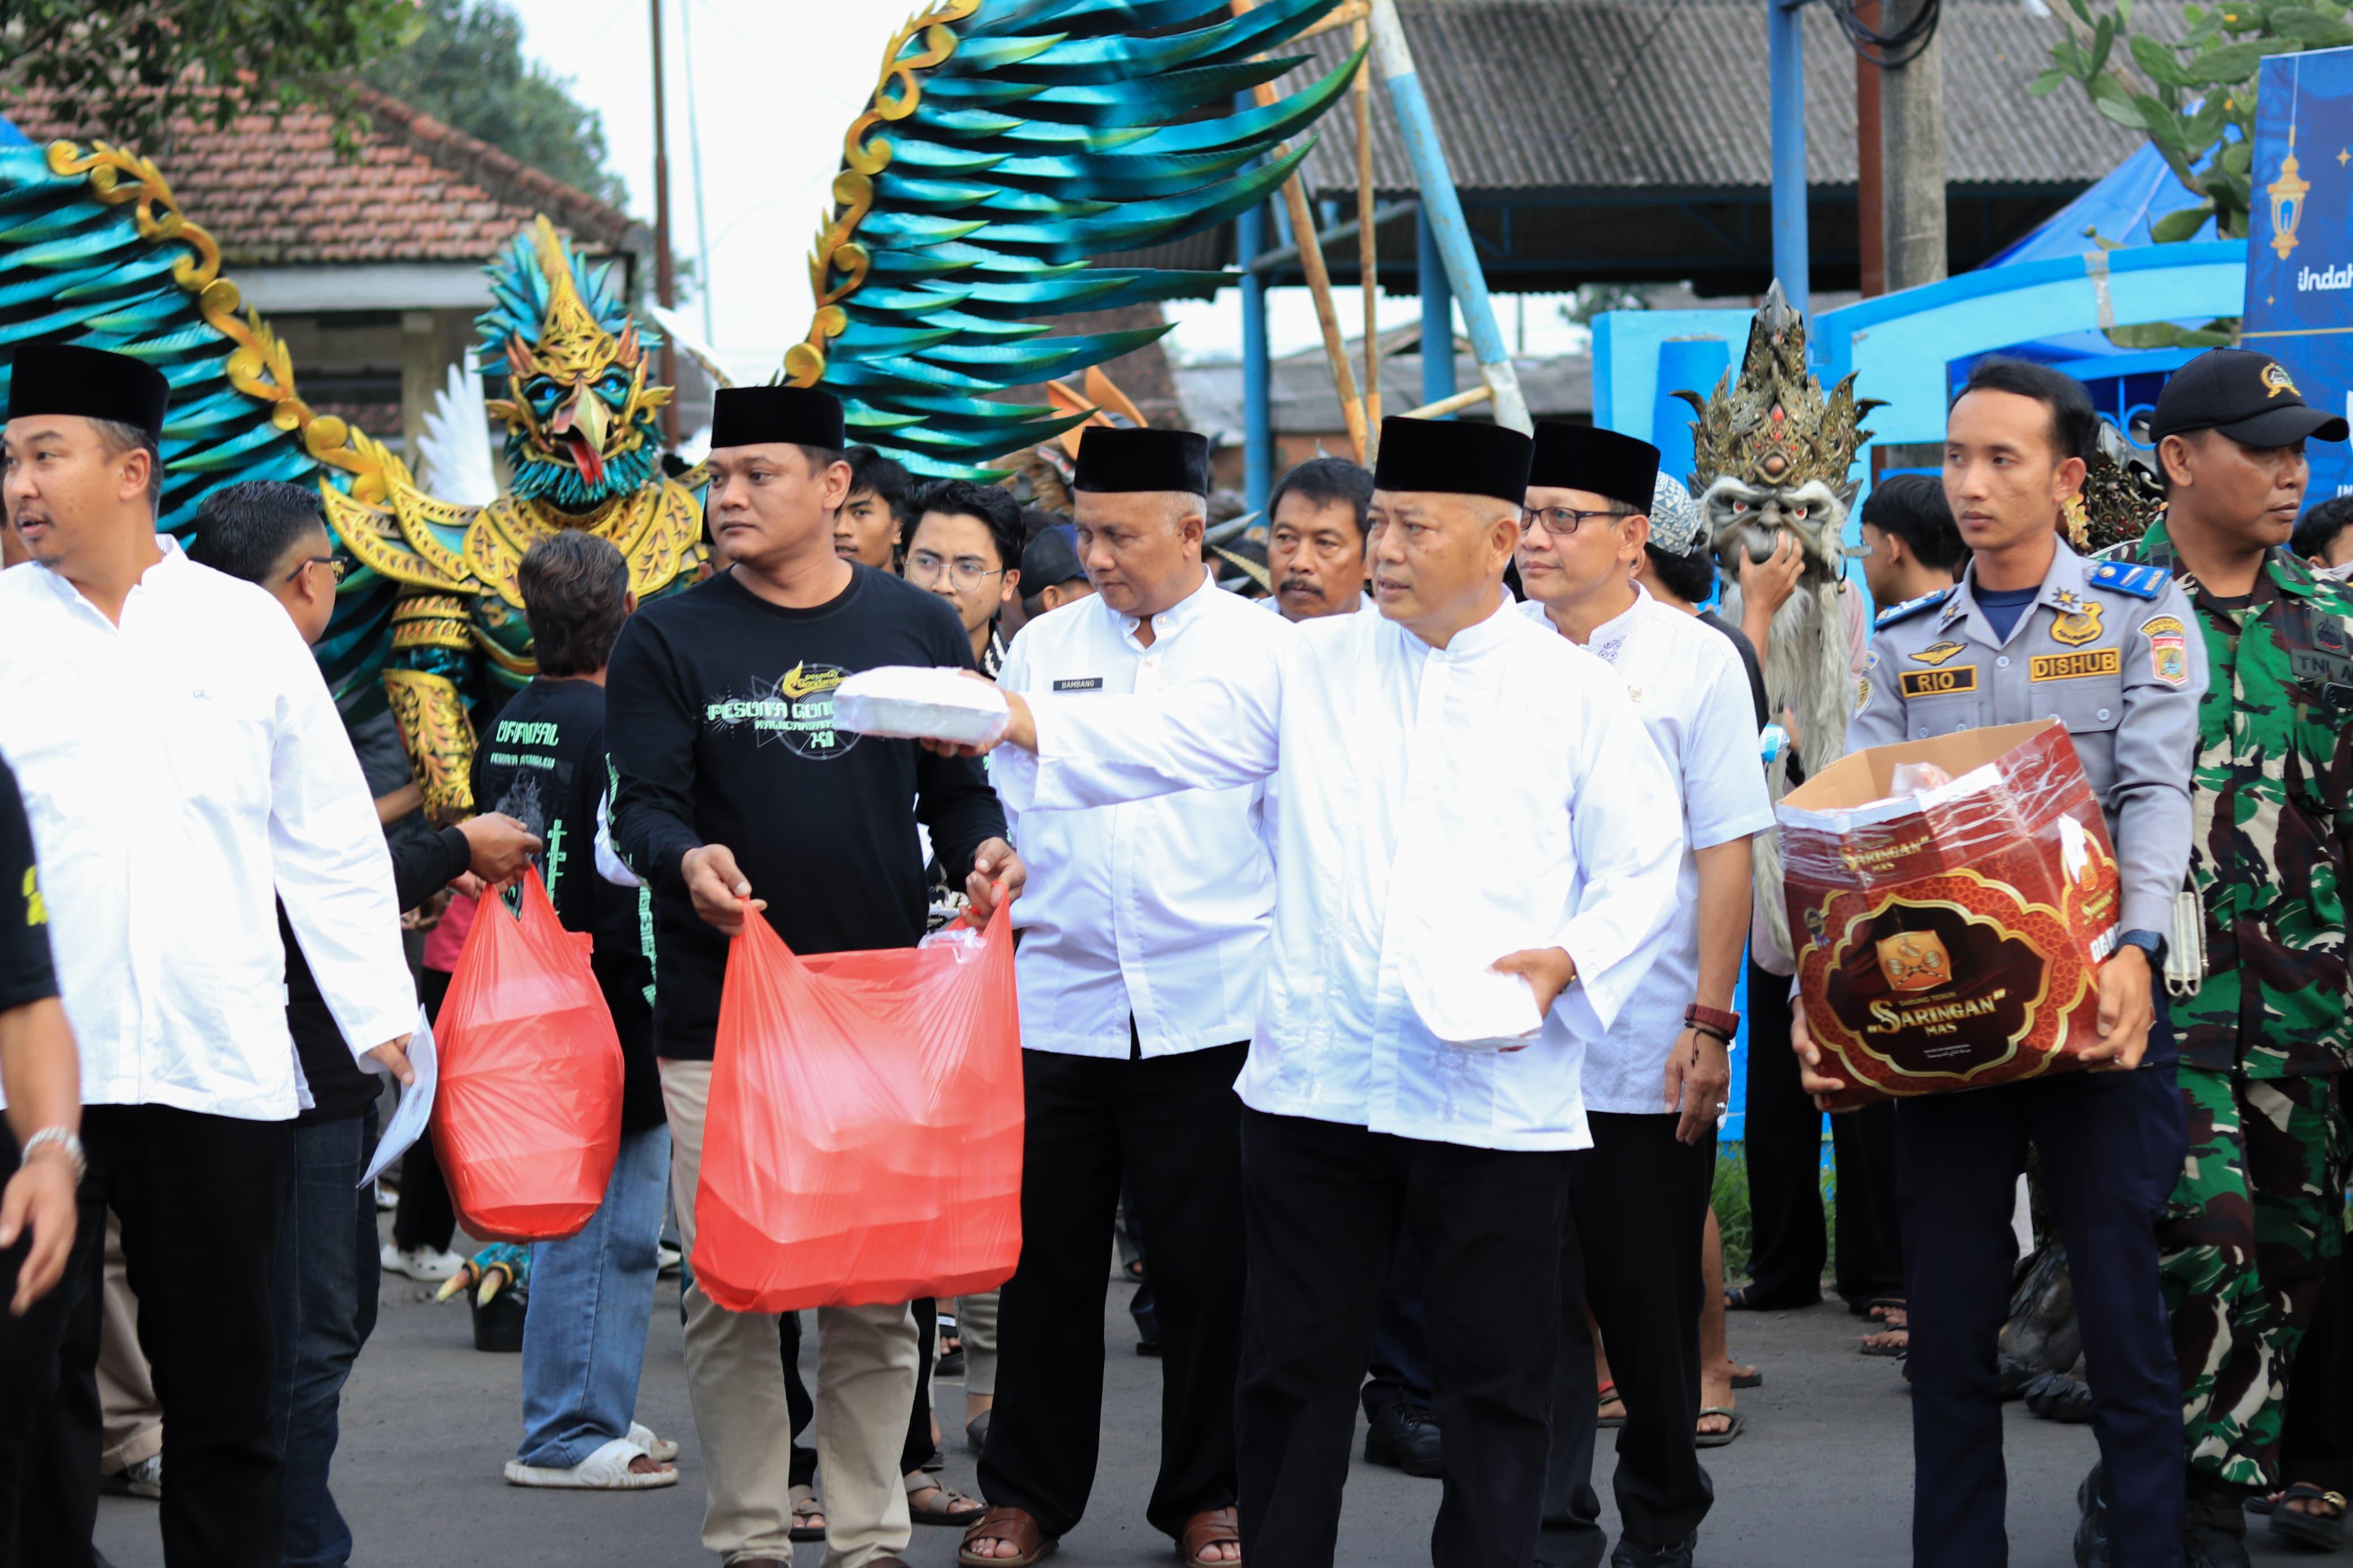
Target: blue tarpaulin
(2119,210)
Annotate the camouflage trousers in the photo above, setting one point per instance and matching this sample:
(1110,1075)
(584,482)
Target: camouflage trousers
(2250,1230)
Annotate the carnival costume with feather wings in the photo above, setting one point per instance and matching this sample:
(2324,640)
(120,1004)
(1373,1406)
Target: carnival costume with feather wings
(1006,142)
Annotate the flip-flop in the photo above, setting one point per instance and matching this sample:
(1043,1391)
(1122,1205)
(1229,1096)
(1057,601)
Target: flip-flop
(2323,1531)
(806,1506)
(1608,1393)
(1748,1380)
(1867,1348)
(1718,1439)
(606,1470)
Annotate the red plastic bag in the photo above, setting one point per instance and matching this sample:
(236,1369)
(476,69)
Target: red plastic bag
(863,1140)
(527,1120)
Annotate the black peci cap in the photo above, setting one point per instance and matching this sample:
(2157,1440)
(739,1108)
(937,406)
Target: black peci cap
(1122,461)
(1600,462)
(59,378)
(775,417)
(2246,395)
(1448,457)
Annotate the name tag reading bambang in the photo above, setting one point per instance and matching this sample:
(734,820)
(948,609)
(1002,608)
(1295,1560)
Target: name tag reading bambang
(1092,683)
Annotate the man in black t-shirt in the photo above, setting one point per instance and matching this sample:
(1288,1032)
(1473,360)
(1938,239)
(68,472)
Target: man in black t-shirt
(737,794)
(592,1293)
(40,1159)
(323,1292)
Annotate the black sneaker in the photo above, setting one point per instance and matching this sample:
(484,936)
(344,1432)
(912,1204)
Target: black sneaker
(1634,1554)
(1403,1437)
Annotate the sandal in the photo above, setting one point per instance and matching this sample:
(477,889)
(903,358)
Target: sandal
(2323,1531)
(610,1468)
(1736,1420)
(1015,1527)
(1211,1527)
(954,1509)
(809,1518)
(1608,1394)
(1888,1343)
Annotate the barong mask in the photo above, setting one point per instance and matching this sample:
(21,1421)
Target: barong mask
(1771,453)
(578,411)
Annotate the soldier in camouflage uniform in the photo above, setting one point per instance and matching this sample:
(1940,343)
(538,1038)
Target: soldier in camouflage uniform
(2257,1214)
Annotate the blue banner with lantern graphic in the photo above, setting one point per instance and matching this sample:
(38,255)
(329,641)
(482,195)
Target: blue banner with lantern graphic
(2300,240)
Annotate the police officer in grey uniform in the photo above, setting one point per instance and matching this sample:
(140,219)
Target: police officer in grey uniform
(2035,631)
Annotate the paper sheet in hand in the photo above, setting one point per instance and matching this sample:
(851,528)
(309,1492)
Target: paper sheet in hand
(415,1107)
(909,702)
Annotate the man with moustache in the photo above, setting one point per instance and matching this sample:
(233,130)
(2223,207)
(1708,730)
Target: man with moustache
(2256,1216)
(737,798)
(1316,540)
(1144,942)
(1654,1084)
(1471,875)
(178,750)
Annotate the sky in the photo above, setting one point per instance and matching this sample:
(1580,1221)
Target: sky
(770,86)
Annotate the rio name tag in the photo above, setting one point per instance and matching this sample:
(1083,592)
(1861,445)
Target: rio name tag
(1939,682)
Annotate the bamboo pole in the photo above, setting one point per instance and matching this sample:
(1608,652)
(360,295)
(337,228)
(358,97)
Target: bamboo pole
(1338,17)
(1319,279)
(1368,250)
(1454,405)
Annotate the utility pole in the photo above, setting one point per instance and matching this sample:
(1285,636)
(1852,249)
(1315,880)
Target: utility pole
(664,282)
(1786,66)
(1912,128)
(1869,183)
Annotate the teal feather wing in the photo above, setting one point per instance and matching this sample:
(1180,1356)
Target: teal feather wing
(131,276)
(1008,142)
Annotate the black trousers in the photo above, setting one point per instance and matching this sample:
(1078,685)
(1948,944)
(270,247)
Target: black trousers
(1788,1244)
(1870,1239)
(425,1217)
(2111,1147)
(2317,1425)
(1325,1205)
(200,1199)
(1630,1248)
(29,1349)
(1169,1127)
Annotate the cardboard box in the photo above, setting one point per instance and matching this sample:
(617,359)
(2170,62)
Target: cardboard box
(1950,939)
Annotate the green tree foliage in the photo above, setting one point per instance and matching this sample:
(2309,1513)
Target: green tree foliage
(466,67)
(2187,93)
(125,69)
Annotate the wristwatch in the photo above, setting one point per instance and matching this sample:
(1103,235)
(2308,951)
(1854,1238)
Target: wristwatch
(64,1140)
(2148,942)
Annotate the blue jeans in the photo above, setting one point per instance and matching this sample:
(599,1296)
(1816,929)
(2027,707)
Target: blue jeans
(592,1294)
(323,1308)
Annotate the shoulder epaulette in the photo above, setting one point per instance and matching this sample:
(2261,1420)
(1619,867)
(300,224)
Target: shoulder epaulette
(1910,607)
(2142,581)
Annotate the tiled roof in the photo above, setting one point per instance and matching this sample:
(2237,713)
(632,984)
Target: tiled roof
(1628,94)
(276,193)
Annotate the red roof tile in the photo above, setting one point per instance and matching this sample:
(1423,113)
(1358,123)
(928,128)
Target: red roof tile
(274,193)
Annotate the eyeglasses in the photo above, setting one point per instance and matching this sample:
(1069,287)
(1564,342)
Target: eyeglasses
(1560,521)
(335,569)
(925,568)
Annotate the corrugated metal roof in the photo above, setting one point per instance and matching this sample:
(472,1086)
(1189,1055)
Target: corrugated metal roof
(1625,95)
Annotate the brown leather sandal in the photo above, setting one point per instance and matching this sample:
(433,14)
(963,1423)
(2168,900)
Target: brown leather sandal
(1016,1528)
(1213,1527)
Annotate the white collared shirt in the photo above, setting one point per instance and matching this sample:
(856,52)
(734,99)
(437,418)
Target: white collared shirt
(183,770)
(1156,909)
(1686,681)
(1438,809)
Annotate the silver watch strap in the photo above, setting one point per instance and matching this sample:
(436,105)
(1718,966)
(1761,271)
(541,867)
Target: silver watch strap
(64,1138)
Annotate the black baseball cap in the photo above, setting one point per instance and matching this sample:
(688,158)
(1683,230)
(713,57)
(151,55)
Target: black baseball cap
(2246,395)
(1049,560)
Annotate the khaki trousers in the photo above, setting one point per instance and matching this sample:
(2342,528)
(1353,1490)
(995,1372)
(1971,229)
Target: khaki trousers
(866,1365)
(132,1419)
(977,1325)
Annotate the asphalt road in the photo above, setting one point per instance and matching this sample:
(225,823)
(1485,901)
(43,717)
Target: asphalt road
(1821,1475)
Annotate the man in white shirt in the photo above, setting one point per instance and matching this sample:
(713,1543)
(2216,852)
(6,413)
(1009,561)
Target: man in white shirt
(1144,945)
(1316,540)
(1655,1084)
(1471,875)
(181,760)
